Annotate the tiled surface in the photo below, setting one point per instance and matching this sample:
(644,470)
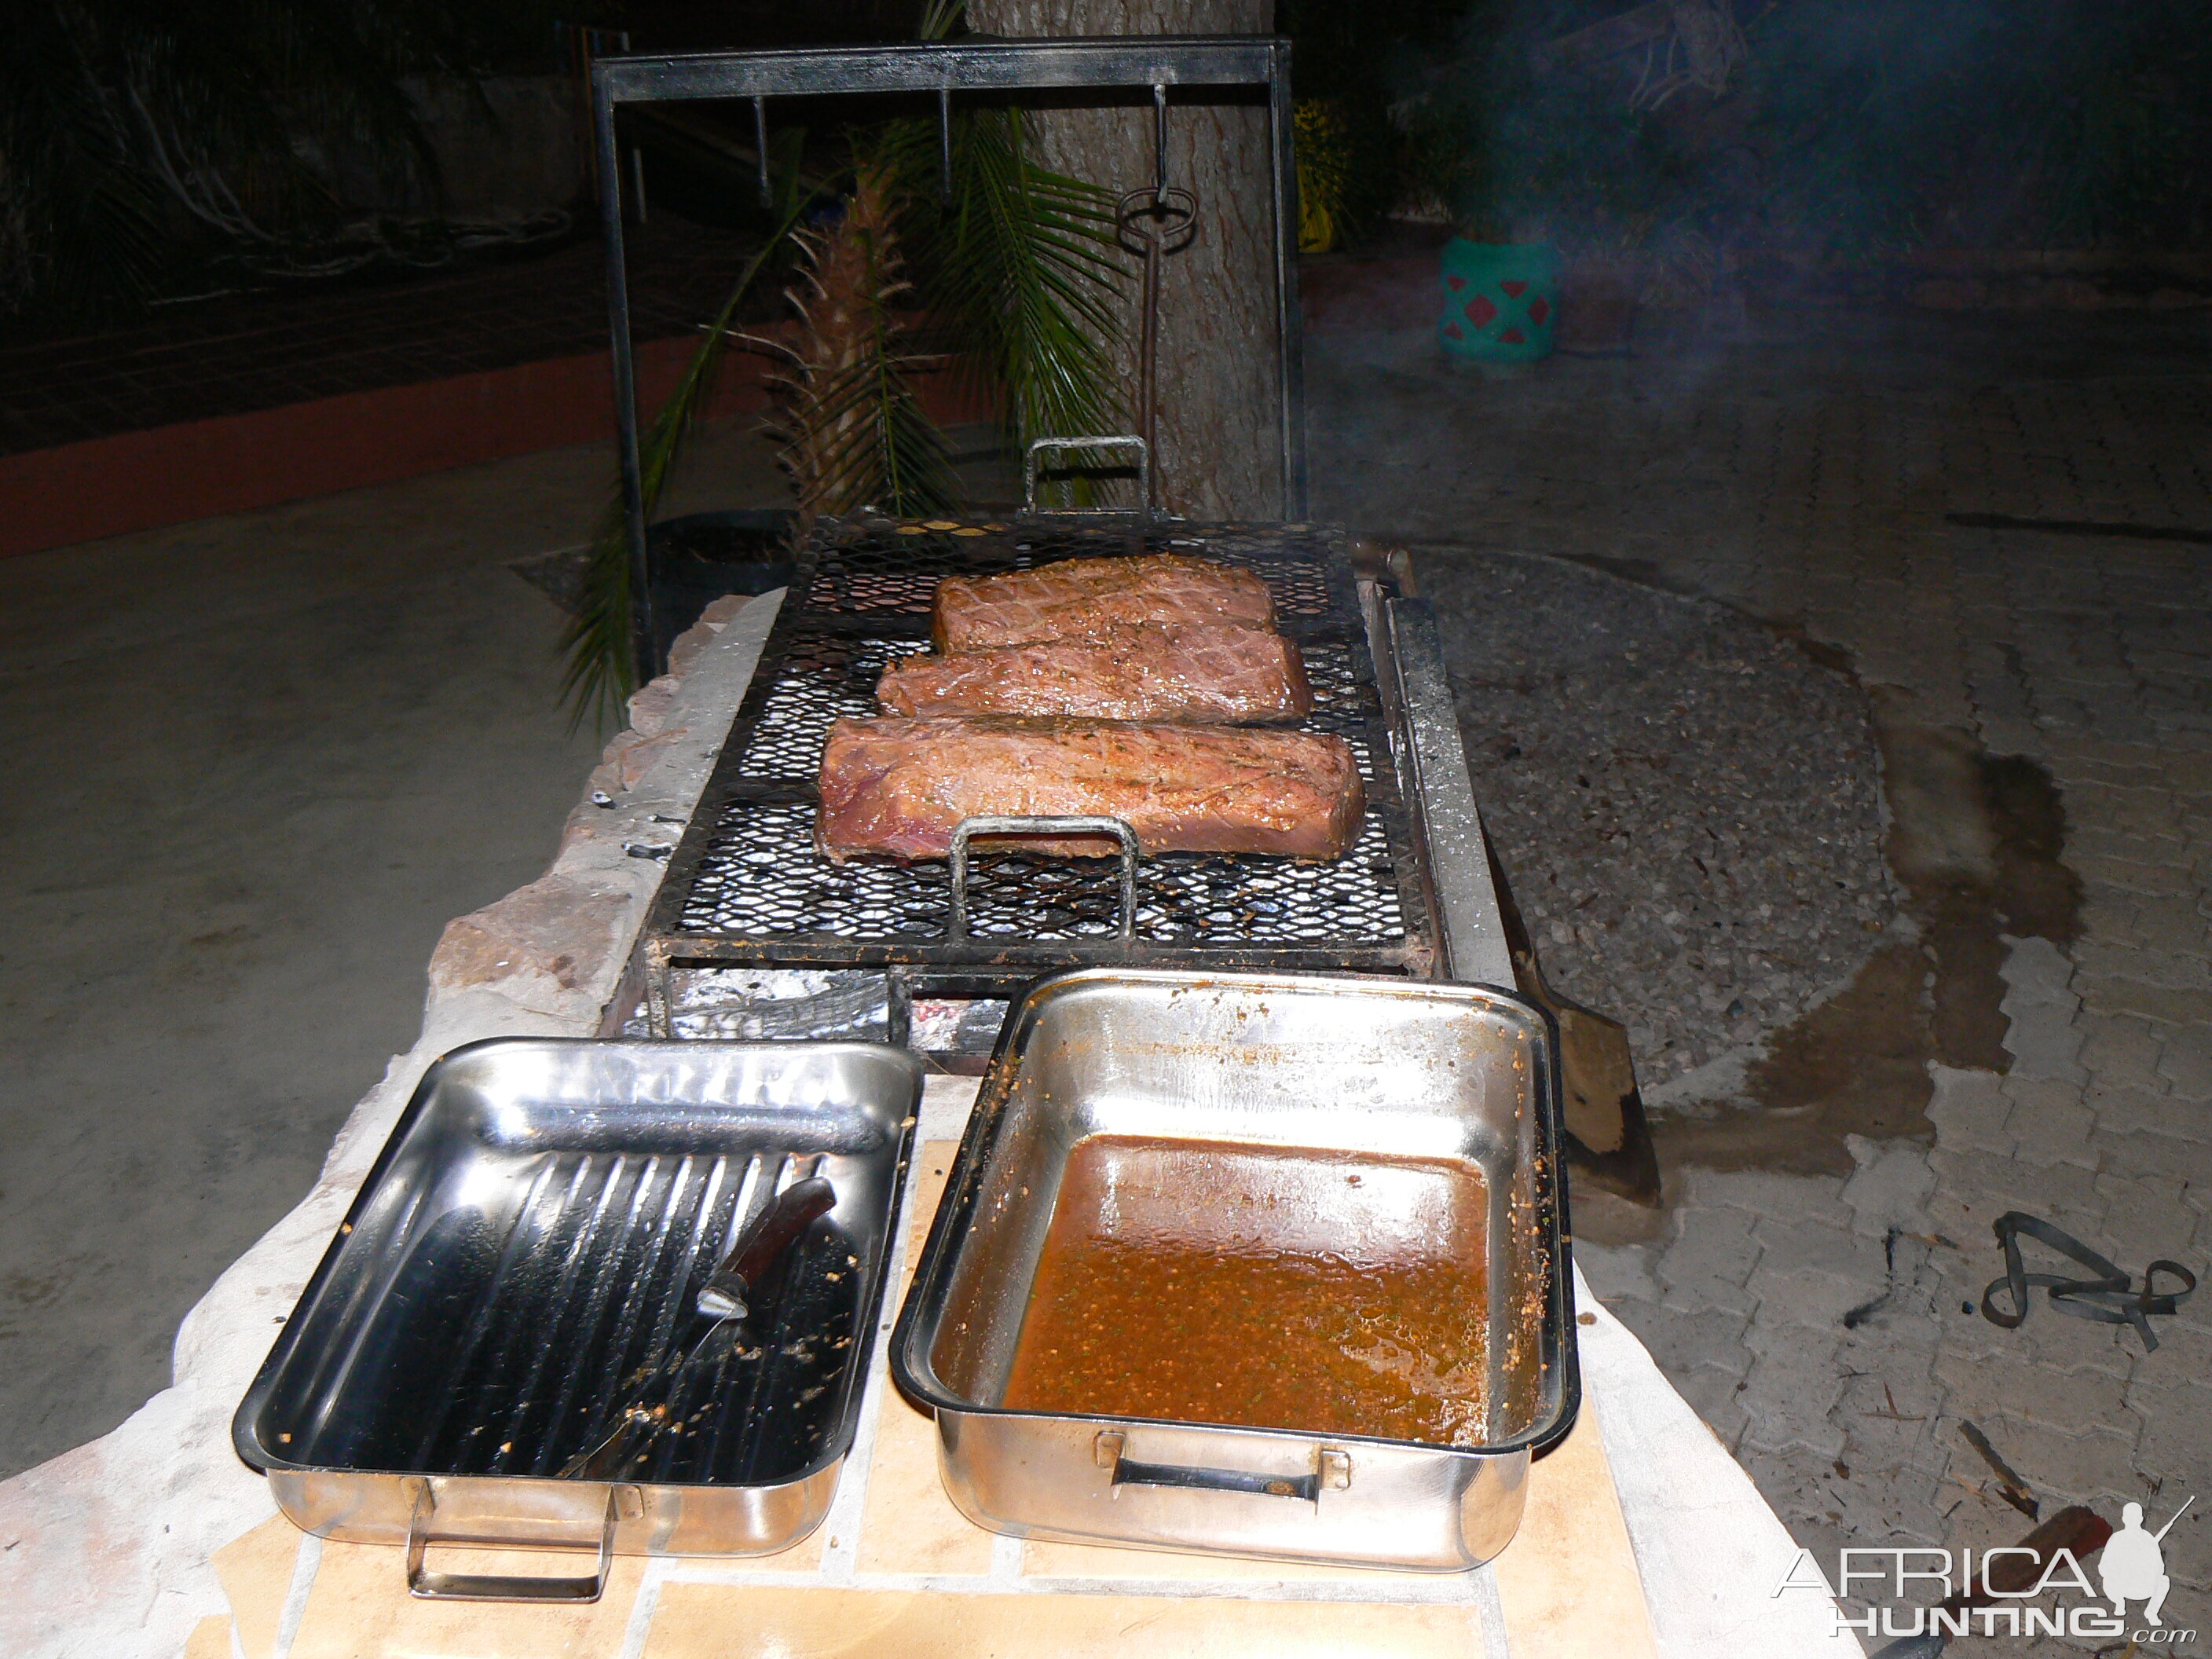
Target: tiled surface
(696,1621)
(235,356)
(1801,469)
(896,1571)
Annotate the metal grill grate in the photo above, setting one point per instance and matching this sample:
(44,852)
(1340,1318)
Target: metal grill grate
(747,885)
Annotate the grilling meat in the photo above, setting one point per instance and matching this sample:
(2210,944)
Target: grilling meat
(1177,672)
(901,786)
(1077,599)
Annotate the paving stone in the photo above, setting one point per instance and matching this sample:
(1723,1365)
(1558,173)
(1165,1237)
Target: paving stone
(1619,1272)
(1713,1393)
(2170,927)
(1969,1109)
(2020,1388)
(2092,1467)
(2036,971)
(2185,1157)
(2145,1217)
(2185,1062)
(2138,809)
(2175,1448)
(1888,1422)
(2130,876)
(1779,1197)
(2125,1052)
(1814,1247)
(1892,1184)
(2191,1008)
(1710,1246)
(1685,1340)
(1982,1187)
(2125,1110)
(2049,1124)
(2168,970)
(1792,1386)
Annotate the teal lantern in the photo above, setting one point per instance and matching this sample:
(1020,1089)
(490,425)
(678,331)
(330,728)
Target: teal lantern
(1501,300)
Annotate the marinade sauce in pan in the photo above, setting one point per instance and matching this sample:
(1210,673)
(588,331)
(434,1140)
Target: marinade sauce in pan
(1262,1286)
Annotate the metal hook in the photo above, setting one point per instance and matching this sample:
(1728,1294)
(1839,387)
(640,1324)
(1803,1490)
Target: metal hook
(1160,138)
(945,145)
(760,143)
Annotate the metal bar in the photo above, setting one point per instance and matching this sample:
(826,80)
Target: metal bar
(633,476)
(1473,935)
(1289,324)
(942,68)
(945,145)
(760,148)
(1189,60)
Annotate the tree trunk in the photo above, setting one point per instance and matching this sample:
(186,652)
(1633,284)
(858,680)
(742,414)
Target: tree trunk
(1220,379)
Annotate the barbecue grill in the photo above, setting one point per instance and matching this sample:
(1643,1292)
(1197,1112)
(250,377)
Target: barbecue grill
(754,922)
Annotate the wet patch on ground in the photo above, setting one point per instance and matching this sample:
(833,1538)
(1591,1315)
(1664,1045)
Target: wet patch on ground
(1975,839)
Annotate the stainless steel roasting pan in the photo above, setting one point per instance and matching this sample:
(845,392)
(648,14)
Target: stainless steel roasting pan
(532,1238)
(1358,1065)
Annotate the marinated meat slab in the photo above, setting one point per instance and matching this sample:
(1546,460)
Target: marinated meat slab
(1077,599)
(1178,671)
(901,786)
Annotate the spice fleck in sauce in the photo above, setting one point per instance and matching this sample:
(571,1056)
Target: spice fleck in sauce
(1263,1286)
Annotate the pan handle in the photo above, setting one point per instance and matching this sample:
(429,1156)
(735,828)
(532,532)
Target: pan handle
(1332,1472)
(502,1587)
(970,827)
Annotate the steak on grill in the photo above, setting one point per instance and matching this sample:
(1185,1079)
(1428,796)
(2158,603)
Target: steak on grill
(901,786)
(1149,672)
(1077,599)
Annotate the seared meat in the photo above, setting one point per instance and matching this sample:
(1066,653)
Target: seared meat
(1178,671)
(1077,598)
(901,786)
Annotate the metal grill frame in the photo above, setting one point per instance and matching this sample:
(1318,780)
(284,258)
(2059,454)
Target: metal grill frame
(998,966)
(1194,65)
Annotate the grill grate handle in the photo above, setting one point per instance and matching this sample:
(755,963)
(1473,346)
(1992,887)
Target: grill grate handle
(1125,837)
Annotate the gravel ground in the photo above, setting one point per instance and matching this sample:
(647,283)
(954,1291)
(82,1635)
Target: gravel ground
(1688,808)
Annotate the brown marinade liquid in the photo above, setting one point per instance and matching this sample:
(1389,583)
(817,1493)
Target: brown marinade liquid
(1263,1286)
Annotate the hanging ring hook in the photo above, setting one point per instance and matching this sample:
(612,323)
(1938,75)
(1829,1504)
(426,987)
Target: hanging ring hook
(760,145)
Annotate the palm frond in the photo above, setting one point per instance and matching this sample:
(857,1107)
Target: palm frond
(599,676)
(1023,263)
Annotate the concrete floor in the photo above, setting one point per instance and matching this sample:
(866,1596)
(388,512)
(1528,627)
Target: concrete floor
(260,762)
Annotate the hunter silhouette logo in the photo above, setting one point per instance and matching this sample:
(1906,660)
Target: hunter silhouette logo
(2134,1564)
(2040,1586)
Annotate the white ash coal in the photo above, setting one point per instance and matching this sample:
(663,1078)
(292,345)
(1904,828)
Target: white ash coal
(1688,808)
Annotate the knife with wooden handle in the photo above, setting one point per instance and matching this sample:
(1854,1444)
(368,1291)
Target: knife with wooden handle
(726,1298)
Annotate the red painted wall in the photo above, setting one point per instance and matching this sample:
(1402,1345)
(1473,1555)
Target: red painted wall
(168,474)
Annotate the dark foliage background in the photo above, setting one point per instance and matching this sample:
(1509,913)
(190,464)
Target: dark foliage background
(140,139)
(1855,125)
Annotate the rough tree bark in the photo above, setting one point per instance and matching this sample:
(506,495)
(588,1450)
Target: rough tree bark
(1220,385)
